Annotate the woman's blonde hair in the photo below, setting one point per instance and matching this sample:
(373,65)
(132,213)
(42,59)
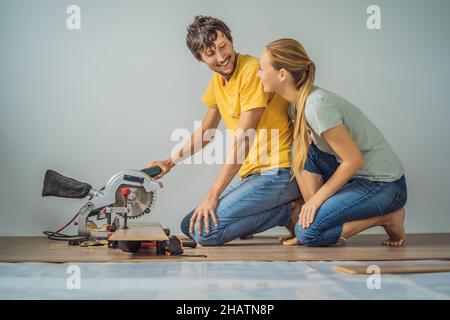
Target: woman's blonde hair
(289,54)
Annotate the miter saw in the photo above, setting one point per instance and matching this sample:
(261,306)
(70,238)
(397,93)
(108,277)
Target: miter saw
(128,194)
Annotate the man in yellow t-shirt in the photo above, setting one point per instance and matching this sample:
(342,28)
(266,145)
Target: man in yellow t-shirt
(262,136)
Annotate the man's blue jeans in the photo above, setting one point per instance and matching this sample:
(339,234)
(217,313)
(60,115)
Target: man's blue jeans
(358,199)
(254,204)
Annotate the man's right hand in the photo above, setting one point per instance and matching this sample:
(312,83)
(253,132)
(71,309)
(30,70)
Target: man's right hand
(165,166)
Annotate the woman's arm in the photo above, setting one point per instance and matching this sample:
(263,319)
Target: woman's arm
(343,144)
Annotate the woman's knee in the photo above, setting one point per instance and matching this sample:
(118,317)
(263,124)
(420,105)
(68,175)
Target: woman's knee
(311,238)
(305,236)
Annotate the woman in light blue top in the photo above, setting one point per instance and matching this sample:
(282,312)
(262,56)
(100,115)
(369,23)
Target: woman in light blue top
(349,176)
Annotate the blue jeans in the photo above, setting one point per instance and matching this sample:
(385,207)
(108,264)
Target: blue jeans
(358,199)
(254,204)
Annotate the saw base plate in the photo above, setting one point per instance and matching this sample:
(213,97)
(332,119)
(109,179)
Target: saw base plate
(141,232)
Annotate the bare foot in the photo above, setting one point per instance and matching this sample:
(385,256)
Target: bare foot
(296,206)
(291,242)
(395,229)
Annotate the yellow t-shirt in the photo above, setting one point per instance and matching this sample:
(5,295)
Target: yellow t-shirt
(243,92)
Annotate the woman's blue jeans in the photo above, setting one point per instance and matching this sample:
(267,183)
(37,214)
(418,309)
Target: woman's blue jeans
(358,199)
(254,204)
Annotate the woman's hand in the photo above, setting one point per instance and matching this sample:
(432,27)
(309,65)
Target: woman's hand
(207,207)
(308,212)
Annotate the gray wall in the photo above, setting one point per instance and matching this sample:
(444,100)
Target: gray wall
(89,103)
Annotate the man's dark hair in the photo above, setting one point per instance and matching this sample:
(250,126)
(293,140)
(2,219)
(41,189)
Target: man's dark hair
(202,33)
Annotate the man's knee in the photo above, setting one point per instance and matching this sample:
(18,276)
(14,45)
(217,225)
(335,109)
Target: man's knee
(209,239)
(184,226)
(215,237)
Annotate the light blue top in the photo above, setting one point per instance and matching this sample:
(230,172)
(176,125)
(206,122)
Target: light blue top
(325,110)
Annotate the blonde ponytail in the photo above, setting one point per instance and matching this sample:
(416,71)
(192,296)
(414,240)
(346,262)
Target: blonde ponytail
(301,135)
(291,55)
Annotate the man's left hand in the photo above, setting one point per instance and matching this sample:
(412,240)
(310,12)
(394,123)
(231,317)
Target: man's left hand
(207,207)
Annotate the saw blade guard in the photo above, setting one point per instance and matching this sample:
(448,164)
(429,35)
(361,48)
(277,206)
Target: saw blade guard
(127,178)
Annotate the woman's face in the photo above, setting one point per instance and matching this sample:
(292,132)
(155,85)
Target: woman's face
(270,77)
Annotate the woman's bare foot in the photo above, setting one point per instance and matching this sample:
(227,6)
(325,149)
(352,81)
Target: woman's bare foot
(395,229)
(296,206)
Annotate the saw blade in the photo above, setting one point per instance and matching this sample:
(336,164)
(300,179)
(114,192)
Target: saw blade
(139,201)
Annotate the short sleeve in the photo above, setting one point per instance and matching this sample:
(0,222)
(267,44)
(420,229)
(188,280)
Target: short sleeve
(209,97)
(322,114)
(251,90)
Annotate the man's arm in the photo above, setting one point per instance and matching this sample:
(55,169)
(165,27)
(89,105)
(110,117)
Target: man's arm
(194,144)
(248,120)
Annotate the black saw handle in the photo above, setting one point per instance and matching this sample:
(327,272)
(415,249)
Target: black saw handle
(152,171)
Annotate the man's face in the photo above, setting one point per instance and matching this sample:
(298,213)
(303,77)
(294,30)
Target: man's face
(220,57)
